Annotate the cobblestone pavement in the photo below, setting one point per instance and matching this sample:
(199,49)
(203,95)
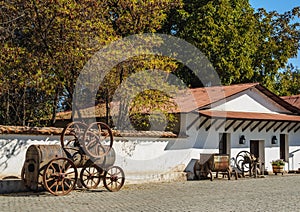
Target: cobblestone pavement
(273,193)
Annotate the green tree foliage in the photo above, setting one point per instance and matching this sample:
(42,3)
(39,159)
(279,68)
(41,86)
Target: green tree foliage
(44,45)
(288,81)
(243,45)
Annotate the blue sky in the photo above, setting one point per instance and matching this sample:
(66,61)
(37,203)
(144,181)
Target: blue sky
(280,6)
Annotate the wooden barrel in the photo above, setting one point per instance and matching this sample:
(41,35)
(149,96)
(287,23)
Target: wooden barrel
(221,162)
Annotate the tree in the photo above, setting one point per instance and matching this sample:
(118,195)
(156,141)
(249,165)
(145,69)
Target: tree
(129,18)
(243,45)
(45,45)
(55,38)
(288,81)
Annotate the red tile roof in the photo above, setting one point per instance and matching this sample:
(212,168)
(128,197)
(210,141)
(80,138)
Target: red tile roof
(58,131)
(293,100)
(202,97)
(196,98)
(249,116)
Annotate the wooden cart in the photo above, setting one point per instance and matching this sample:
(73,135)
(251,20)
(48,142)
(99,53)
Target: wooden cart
(83,148)
(209,163)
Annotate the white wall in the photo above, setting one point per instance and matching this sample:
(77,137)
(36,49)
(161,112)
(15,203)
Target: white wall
(142,159)
(13,149)
(294,146)
(250,101)
(208,141)
(157,158)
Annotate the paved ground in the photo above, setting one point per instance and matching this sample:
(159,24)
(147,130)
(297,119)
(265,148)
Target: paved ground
(273,193)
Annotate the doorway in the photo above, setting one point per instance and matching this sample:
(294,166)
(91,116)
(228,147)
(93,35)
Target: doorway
(224,143)
(284,147)
(257,148)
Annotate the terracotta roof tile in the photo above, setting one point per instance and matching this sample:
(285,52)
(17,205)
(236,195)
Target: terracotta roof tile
(196,98)
(250,116)
(205,96)
(30,130)
(293,100)
(58,131)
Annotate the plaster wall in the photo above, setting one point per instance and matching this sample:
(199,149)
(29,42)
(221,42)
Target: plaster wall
(250,101)
(207,141)
(142,159)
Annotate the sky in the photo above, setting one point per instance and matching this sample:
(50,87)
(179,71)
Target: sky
(280,6)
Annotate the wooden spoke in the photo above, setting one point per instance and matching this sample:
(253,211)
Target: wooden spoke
(60,176)
(90,176)
(114,178)
(98,140)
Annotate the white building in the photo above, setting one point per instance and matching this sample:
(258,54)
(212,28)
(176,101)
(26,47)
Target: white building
(225,119)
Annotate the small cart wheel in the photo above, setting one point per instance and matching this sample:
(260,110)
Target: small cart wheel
(60,176)
(72,134)
(114,178)
(90,176)
(98,140)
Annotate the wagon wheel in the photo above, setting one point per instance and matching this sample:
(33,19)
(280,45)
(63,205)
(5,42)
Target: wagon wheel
(72,134)
(242,160)
(90,176)
(97,135)
(114,178)
(60,176)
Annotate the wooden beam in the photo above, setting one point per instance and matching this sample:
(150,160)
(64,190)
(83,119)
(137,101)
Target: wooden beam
(253,128)
(288,124)
(232,123)
(220,125)
(260,129)
(278,126)
(240,124)
(193,122)
(297,129)
(248,125)
(271,126)
(211,124)
(203,122)
(289,130)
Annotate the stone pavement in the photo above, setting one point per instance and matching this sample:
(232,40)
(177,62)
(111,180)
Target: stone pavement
(273,193)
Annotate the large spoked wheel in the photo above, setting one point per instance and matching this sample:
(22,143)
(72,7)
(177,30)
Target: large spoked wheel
(72,134)
(114,178)
(60,176)
(90,176)
(98,140)
(243,160)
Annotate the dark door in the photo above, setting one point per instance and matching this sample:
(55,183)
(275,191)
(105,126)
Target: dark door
(282,147)
(254,148)
(223,143)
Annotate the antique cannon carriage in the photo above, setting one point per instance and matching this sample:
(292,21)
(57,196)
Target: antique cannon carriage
(209,163)
(84,149)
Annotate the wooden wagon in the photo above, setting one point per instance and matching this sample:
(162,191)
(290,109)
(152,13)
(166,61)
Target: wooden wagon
(84,148)
(209,163)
